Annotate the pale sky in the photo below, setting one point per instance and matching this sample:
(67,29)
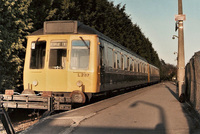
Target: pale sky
(156,20)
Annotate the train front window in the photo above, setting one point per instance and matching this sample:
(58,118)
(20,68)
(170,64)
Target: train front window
(80,54)
(38,49)
(58,54)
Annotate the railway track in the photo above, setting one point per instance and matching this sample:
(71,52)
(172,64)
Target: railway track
(21,120)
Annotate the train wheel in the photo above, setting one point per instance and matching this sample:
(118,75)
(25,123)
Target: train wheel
(77,97)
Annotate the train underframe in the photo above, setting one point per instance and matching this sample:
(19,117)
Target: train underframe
(50,101)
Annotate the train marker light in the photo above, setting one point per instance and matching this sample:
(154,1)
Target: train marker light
(35,83)
(79,83)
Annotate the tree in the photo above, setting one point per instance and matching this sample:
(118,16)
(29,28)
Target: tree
(14,26)
(167,71)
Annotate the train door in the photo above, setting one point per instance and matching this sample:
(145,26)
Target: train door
(148,72)
(102,69)
(56,76)
(34,69)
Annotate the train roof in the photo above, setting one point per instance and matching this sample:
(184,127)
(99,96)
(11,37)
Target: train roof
(76,27)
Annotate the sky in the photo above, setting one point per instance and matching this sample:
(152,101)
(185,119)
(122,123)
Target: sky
(156,18)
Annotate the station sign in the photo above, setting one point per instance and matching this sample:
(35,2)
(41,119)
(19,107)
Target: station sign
(180,17)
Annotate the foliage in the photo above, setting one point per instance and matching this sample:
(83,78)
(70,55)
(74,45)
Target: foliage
(14,25)
(168,71)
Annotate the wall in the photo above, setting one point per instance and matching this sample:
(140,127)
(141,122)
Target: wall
(192,80)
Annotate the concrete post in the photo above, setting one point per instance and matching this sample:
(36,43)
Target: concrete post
(181,56)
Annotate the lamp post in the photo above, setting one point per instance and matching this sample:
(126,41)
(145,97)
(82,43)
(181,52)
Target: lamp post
(181,56)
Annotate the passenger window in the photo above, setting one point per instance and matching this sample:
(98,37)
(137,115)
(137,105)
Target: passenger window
(115,60)
(110,57)
(127,60)
(80,54)
(58,54)
(122,62)
(118,60)
(138,67)
(38,51)
(131,66)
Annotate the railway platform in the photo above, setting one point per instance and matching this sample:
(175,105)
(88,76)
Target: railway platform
(150,110)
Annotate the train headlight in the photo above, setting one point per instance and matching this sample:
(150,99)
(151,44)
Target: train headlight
(79,83)
(35,83)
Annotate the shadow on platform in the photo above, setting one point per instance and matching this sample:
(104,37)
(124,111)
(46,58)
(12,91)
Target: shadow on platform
(104,130)
(161,127)
(191,115)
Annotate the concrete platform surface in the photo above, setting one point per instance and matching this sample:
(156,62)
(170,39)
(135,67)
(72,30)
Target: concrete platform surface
(150,110)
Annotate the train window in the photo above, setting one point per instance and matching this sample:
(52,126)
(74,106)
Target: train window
(133,62)
(38,50)
(58,54)
(147,69)
(128,64)
(102,53)
(143,67)
(125,63)
(122,62)
(135,66)
(118,60)
(115,60)
(110,57)
(80,54)
(139,67)
(150,70)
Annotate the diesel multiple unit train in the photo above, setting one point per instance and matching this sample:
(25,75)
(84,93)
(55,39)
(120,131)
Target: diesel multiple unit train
(67,62)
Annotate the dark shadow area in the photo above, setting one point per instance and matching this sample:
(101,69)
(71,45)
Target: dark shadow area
(112,130)
(191,115)
(55,126)
(172,92)
(160,128)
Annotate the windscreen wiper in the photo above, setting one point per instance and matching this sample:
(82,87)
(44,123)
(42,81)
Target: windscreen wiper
(37,40)
(85,43)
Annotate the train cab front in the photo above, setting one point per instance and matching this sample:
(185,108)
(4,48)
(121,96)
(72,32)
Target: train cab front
(65,67)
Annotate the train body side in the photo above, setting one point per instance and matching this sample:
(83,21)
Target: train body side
(120,68)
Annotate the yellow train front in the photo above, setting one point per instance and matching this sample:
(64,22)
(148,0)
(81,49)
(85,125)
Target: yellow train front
(61,60)
(66,62)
